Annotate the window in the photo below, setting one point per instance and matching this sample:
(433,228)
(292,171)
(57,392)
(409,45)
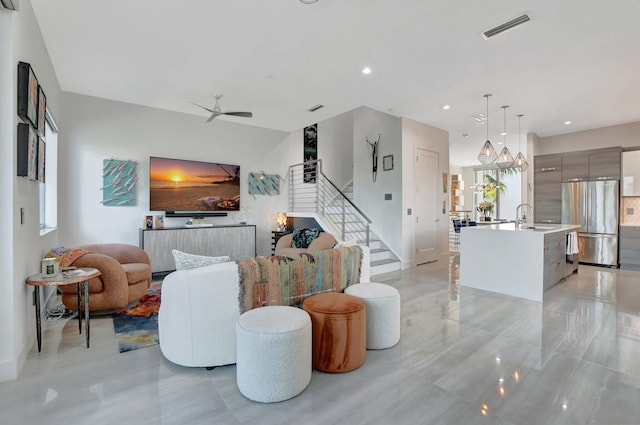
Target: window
(49,189)
(501,188)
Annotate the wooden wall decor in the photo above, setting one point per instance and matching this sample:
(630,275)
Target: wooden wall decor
(264,184)
(119,183)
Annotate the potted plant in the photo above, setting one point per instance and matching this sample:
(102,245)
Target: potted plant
(485,209)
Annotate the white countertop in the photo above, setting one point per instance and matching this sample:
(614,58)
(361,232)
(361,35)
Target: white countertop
(534,228)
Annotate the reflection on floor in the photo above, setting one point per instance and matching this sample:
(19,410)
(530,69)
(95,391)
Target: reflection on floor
(466,356)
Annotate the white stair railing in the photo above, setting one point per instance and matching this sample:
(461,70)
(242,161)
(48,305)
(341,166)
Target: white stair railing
(312,191)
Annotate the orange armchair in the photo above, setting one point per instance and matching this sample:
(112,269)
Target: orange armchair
(323,241)
(125,277)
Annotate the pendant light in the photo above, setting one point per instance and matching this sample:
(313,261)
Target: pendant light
(488,154)
(520,163)
(505,159)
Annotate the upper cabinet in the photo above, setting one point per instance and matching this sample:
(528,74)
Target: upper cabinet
(547,163)
(630,173)
(575,167)
(604,164)
(600,164)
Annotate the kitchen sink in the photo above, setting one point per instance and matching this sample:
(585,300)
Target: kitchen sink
(538,228)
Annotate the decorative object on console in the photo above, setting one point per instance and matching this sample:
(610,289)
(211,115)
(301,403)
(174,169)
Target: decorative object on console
(281,222)
(27,94)
(27,152)
(186,261)
(374,155)
(148,222)
(387,162)
(264,184)
(310,153)
(158,222)
(119,182)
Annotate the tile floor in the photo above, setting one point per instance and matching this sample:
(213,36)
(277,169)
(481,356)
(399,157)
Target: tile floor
(466,356)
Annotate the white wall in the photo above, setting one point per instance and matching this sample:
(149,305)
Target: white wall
(23,247)
(95,129)
(8,367)
(369,196)
(625,135)
(418,135)
(335,148)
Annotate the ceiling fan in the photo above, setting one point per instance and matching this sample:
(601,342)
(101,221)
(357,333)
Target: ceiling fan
(216,111)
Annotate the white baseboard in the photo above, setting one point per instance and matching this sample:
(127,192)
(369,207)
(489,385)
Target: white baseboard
(8,371)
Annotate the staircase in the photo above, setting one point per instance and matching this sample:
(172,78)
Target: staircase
(337,212)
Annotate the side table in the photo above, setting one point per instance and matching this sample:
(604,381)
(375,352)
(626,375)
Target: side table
(64,278)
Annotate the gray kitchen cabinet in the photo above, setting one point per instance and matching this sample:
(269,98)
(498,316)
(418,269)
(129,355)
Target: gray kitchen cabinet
(554,258)
(547,163)
(547,192)
(630,182)
(605,164)
(575,167)
(629,247)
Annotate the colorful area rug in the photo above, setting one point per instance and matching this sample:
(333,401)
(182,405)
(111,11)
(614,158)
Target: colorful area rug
(137,327)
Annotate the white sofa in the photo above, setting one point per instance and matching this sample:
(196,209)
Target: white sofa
(199,311)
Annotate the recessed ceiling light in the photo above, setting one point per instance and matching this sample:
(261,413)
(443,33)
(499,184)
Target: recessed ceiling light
(567,122)
(465,135)
(366,70)
(446,107)
(308,1)
(503,133)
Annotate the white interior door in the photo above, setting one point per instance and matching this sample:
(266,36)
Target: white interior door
(426,205)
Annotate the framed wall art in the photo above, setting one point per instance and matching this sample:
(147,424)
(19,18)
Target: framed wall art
(119,183)
(387,162)
(27,94)
(27,152)
(42,111)
(42,155)
(264,184)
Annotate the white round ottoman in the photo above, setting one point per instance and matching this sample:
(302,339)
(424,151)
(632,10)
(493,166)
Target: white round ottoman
(274,353)
(383,313)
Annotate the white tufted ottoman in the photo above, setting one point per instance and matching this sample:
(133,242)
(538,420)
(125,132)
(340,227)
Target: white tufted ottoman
(383,313)
(274,353)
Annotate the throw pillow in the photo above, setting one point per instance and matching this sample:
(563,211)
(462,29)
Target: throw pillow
(186,261)
(302,238)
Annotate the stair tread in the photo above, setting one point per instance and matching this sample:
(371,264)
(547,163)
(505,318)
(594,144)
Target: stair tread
(385,261)
(378,250)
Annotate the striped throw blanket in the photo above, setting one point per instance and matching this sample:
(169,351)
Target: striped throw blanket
(289,280)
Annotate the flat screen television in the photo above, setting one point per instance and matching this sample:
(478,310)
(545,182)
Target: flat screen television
(178,185)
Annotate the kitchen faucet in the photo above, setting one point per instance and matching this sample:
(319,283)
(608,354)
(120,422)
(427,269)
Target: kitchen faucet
(521,219)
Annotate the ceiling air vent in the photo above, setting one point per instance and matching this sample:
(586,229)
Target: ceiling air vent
(506,26)
(315,108)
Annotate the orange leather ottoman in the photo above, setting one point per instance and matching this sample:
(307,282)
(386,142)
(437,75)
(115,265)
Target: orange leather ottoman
(339,331)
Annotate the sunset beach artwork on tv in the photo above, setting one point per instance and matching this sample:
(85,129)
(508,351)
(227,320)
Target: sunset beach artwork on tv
(183,185)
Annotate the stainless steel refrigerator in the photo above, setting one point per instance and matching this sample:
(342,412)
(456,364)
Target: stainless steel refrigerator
(594,206)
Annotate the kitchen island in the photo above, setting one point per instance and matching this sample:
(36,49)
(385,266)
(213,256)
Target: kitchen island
(521,261)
